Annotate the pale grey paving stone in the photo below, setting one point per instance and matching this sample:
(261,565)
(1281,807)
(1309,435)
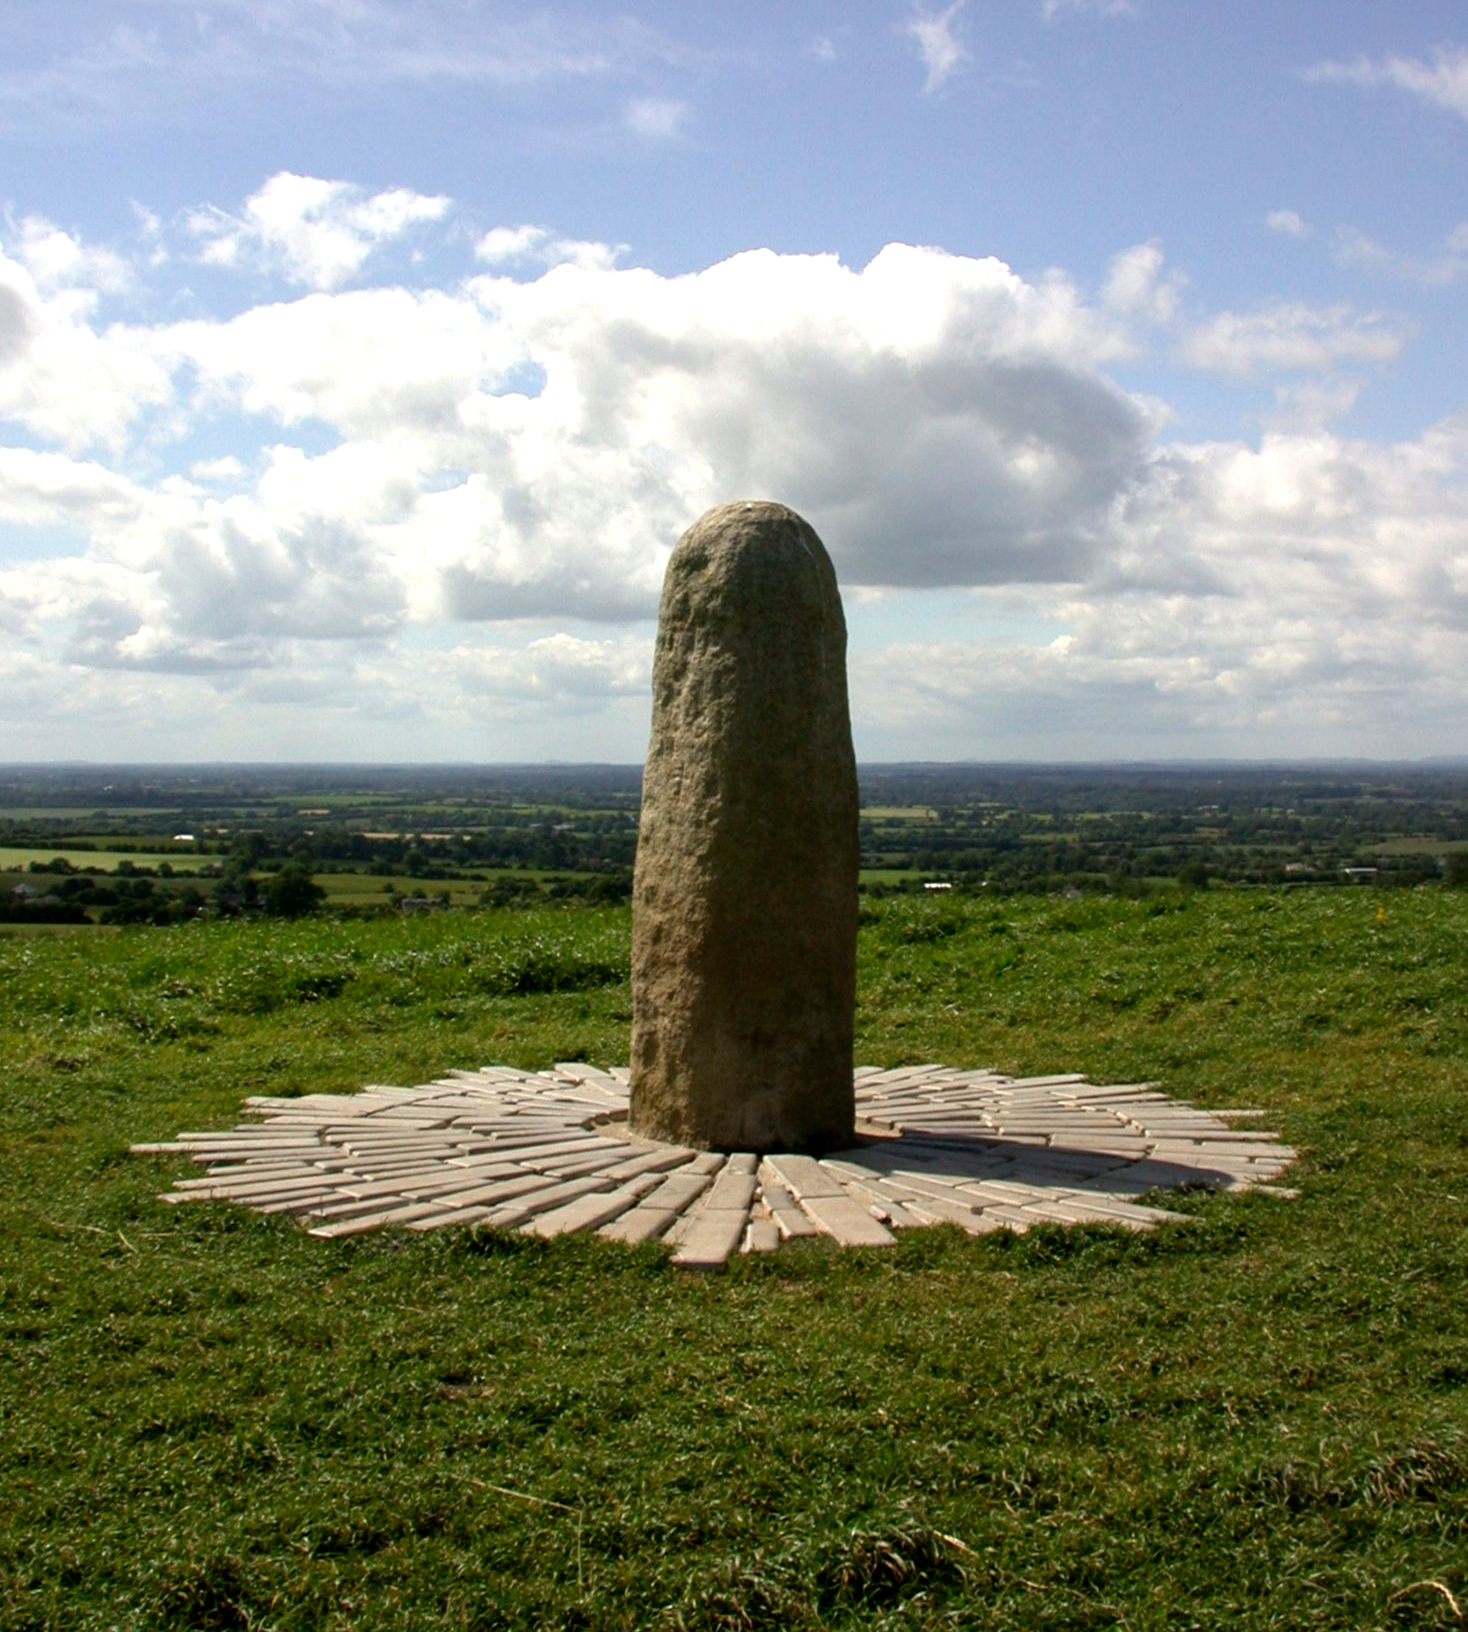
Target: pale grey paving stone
(711,1239)
(249,1172)
(848,1221)
(803,1176)
(601,1150)
(1213,1151)
(655,1160)
(351,1188)
(1078,1212)
(376,1166)
(571,1168)
(364,1139)
(306,1202)
(1018,1219)
(487,1164)
(422,1188)
(641,1224)
(914,1184)
(456,1218)
(731,1190)
(500,1192)
(253,1190)
(761,1235)
(885,1209)
(498,1146)
(678,1190)
(249,1138)
(934,1210)
(602,1083)
(782,1208)
(401,1214)
(1101,1208)
(590,1212)
(512,1214)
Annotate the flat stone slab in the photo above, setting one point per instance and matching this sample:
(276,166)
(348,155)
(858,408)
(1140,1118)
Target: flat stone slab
(549,1153)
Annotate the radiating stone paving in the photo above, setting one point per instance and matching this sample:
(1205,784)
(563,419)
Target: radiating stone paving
(549,1152)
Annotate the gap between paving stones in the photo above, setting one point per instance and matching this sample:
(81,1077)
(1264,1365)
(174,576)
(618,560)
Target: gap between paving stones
(549,1153)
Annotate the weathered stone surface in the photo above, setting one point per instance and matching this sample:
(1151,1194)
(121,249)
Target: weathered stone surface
(744,901)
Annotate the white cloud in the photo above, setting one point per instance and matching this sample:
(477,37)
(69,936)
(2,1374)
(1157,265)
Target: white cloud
(63,376)
(521,451)
(530,448)
(1308,405)
(218,52)
(558,668)
(1309,595)
(317,233)
(656,118)
(1448,265)
(56,260)
(1441,83)
(1292,336)
(935,34)
(1051,9)
(1136,287)
(539,246)
(1288,222)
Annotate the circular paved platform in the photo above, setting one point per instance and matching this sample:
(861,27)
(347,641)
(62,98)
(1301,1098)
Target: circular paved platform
(549,1152)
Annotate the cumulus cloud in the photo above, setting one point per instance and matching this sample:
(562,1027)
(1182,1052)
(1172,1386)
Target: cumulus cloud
(528,447)
(518,451)
(1290,335)
(314,232)
(1135,285)
(539,246)
(1441,83)
(935,37)
(1290,223)
(1311,589)
(57,260)
(64,376)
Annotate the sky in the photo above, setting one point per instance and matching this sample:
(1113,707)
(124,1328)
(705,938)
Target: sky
(362,362)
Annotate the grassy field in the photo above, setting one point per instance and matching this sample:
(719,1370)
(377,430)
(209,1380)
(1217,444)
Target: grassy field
(1258,1419)
(19,859)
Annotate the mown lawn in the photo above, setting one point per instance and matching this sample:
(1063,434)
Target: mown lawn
(1256,1420)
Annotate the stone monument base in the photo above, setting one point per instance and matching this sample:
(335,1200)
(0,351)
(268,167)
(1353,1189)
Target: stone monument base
(550,1153)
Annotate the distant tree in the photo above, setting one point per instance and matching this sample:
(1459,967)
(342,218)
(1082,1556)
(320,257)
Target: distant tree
(292,891)
(1455,868)
(234,890)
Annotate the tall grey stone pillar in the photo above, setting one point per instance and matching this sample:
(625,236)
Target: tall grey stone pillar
(744,903)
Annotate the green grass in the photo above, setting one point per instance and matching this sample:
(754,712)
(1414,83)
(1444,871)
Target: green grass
(1256,1420)
(184,859)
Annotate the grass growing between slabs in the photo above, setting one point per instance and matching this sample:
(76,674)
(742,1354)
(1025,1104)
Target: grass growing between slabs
(1257,1420)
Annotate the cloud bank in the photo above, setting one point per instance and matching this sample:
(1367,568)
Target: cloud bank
(458,498)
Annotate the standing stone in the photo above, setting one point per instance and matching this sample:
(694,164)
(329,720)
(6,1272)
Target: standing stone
(744,903)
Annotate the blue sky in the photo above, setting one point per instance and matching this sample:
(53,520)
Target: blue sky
(360,363)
